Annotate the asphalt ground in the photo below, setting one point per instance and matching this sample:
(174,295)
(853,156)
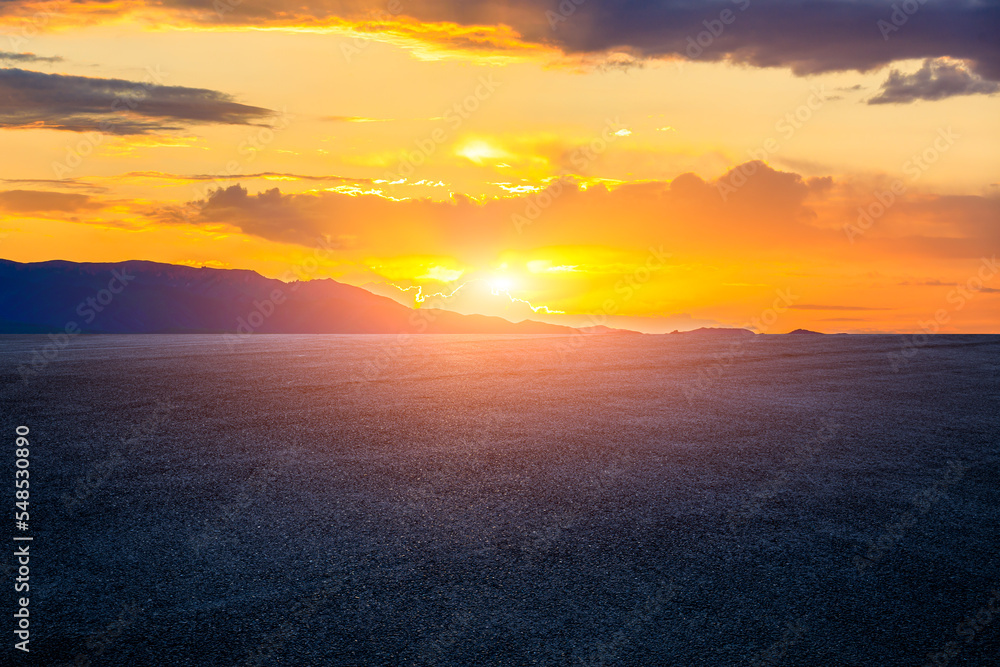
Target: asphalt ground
(509,500)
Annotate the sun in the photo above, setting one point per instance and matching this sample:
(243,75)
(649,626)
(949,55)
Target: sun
(478,151)
(501,284)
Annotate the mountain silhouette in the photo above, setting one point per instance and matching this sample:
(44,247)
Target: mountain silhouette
(150,297)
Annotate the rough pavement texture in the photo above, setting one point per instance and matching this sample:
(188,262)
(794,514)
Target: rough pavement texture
(466,500)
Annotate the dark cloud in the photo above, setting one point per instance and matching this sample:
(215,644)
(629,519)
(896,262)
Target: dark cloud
(7,56)
(809,37)
(116,106)
(935,80)
(40,201)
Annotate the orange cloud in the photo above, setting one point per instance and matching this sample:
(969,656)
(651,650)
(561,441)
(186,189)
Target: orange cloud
(41,201)
(773,214)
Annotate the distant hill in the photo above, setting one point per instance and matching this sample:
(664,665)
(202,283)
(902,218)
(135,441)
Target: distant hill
(601,329)
(805,331)
(715,332)
(149,297)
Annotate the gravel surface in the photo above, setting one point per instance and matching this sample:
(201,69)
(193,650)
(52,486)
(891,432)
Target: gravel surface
(518,500)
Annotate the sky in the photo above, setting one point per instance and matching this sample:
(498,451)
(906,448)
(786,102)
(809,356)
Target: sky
(828,165)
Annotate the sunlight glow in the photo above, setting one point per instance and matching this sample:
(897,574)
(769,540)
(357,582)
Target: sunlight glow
(478,151)
(501,284)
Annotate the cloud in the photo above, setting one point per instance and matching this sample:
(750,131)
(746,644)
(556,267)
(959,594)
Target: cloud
(808,37)
(354,119)
(941,283)
(943,225)
(688,213)
(307,218)
(927,283)
(812,306)
(67,183)
(263,175)
(935,80)
(773,213)
(40,201)
(81,104)
(27,58)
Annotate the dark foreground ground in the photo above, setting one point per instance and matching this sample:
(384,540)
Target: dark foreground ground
(338,500)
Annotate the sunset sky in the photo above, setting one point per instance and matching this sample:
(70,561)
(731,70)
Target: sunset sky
(650,165)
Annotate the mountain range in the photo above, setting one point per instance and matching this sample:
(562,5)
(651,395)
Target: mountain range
(150,297)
